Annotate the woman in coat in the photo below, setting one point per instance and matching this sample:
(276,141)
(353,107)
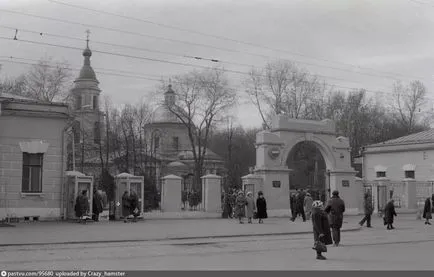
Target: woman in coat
(125,206)
(308,202)
(240,207)
(97,205)
(261,206)
(428,209)
(321,227)
(250,204)
(389,214)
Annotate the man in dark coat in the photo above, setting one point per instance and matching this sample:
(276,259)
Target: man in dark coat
(336,208)
(82,205)
(389,214)
(292,201)
(97,205)
(321,227)
(428,209)
(368,207)
(261,206)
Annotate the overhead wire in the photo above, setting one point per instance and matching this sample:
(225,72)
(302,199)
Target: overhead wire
(211,35)
(9,59)
(156,60)
(180,55)
(388,74)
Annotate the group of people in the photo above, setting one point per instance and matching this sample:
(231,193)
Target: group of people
(301,205)
(82,206)
(246,206)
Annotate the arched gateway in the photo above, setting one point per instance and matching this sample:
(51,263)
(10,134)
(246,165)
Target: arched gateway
(275,150)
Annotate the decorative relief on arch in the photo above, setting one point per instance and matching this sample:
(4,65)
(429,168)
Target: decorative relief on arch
(409,167)
(380,168)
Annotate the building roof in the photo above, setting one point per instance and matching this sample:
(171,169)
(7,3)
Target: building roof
(15,97)
(417,138)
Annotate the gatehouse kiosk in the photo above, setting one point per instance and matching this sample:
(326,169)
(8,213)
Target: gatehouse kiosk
(127,182)
(76,182)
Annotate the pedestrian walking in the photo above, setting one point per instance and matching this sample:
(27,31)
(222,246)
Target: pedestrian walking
(308,201)
(335,209)
(97,205)
(82,206)
(292,201)
(321,230)
(389,214)
(125,206)
(368,209)
(261,206)
(428,209)
(134,205)
(251,207)
(240,206)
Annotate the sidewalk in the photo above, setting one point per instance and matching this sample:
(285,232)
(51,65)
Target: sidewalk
(151,230)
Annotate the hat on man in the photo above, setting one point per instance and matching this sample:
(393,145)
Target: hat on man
(335,193)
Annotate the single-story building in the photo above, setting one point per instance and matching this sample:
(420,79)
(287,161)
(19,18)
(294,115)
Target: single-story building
(32,158)
(401,168)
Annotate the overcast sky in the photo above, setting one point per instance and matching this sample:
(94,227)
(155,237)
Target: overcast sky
(373,37)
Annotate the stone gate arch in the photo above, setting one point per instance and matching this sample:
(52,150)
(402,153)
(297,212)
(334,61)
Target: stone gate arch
(274,146)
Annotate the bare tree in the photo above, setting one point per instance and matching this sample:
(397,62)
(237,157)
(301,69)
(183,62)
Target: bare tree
(408,102)
(282,88)
(202,99)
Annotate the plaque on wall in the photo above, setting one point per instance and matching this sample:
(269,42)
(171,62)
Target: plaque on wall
(276,184)
(274,152)
(345,183)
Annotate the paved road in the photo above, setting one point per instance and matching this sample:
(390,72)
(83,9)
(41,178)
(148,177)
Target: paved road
(407,248)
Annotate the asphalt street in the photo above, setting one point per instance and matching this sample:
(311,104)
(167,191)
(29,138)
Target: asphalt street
(407,248)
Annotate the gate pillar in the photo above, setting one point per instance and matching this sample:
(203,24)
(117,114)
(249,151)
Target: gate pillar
(171,194)
(211,193)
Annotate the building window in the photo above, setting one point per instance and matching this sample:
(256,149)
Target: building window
(409,174)
(32,172)
(156,143)
(176,143)
(78,102)
(97,133)
(381,174)
(95,102)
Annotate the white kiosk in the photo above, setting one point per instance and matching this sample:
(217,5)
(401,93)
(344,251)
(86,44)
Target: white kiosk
(127,182)
(76,182)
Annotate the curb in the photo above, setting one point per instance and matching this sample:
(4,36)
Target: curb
(171,238)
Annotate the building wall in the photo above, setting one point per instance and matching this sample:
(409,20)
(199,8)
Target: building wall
(423,159)
(14,129)
(167,132)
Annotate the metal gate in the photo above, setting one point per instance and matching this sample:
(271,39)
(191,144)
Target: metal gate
(191,196)
(381,198)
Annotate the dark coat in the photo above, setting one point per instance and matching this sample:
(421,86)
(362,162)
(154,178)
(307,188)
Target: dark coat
(292,201)
(369,208)
(389,213)
(428,209)
(97,203)
(134,203)
(321,225)
(261,206)
(335,208)
(126,205)
(81,206)
(299,204)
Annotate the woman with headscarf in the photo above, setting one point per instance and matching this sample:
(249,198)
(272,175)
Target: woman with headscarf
(321,229)
(261,206)
(250,204)
(389,214)
(240,206)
